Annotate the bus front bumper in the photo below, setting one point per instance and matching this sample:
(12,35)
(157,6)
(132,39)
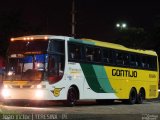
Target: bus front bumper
(29,94)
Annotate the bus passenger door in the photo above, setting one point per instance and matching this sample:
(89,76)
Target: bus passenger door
(55,68)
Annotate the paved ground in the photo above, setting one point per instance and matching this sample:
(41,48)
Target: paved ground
(149,110)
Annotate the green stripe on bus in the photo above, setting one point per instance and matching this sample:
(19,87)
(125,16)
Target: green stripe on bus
(91,78)
(102,78)
(81,41)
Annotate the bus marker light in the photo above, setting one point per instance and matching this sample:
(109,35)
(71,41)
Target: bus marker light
(45,37)
(12,39)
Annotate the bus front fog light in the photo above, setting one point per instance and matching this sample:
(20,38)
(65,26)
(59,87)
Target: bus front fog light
(39,93)
(5,93)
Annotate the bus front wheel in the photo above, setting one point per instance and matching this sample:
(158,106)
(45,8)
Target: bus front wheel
(72,97)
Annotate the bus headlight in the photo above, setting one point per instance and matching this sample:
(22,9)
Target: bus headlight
(38,93)
(5,93)
(5,86)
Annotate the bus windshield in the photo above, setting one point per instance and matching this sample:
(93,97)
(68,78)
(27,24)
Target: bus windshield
(28,67)
(28,47)
(36,60)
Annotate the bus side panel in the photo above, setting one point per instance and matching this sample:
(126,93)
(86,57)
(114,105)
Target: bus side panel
(97,85)
(123,79)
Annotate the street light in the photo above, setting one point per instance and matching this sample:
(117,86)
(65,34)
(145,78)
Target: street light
(124,25)
(117,25)
(121,25)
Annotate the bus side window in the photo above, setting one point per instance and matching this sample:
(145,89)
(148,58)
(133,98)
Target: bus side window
(71,51)
(77,53)
(145,63)
(138,61)
(119,58)
(89,53)
(152,62)
(97,55)
(133,62)
(107,56)
(126,59)
(74,51)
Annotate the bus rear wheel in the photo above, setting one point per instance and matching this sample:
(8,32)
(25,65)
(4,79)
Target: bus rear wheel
(141,96)
(132,96)
(72,97)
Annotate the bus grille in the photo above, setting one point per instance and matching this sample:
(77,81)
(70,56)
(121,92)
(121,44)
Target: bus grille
(26,86)
(21,86)
(15,86)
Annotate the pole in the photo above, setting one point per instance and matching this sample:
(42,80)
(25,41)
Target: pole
(73,18)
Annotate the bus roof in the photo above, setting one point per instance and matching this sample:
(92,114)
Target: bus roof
(113,46)
(86,41)
(37,37)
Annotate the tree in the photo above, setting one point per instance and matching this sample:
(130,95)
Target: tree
(155,34)
(13,24)
(132,37)
(10,23)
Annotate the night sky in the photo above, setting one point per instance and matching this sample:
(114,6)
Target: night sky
(94,18)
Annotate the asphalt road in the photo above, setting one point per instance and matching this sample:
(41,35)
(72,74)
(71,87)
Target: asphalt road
(90,110)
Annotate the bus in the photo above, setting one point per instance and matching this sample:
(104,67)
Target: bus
(60,68)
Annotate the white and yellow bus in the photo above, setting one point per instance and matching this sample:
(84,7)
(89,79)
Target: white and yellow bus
(48,67)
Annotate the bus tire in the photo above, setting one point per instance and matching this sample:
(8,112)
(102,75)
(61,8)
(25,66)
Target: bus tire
(72,97)
(141,96)
(132,96)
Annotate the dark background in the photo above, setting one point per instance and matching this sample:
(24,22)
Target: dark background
(95,19)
